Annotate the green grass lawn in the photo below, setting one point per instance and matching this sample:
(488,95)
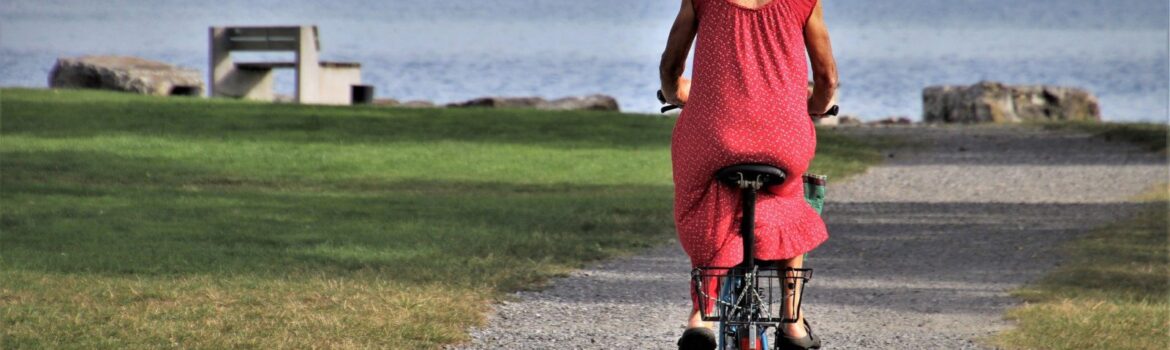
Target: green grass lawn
(140,222)
(1113,293)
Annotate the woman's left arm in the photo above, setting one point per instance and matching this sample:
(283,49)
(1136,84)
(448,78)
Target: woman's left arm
(824,67)
(678,45)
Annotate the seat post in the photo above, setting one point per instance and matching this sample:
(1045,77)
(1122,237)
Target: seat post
(747,226)
(749,179)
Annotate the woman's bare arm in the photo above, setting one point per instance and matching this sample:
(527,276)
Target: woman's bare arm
(820,53)
(678,45)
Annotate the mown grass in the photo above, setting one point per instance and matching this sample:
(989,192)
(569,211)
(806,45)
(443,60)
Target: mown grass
(139,222)
(1113,293)
(1150,136)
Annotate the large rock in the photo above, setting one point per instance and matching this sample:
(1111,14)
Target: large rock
(849,120)
(418,104)
(130,74)
(589,102)
(501,102)
(995,102)
(892,120)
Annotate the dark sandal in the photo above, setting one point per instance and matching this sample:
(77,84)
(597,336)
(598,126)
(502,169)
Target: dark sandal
(810,341)
(698,338)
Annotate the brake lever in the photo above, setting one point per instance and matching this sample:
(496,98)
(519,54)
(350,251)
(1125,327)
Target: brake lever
(666,108)
(829,113)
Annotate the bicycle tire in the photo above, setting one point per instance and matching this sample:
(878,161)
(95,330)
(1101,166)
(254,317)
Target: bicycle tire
(736,337)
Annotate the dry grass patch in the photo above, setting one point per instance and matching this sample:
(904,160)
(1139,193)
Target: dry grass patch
(203,312)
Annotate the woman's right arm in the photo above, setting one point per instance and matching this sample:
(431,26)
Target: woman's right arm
(678,45)
(820,53)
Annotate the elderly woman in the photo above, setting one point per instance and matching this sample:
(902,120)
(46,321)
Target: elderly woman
(748,102)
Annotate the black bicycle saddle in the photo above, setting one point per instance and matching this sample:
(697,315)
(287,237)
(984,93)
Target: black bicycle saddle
(766,174)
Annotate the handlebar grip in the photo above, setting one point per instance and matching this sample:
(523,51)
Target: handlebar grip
(832,110)
(666,108)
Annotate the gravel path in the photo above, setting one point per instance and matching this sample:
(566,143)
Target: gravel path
(922,254)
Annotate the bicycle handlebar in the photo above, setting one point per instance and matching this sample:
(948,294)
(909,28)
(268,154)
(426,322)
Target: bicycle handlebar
(832,111)
(667,108)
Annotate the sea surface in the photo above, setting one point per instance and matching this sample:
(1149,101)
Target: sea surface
(446,50)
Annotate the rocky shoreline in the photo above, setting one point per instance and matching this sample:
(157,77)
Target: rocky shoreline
(983,102)
(594,102)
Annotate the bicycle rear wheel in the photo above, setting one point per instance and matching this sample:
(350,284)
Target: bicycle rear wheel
(734,330)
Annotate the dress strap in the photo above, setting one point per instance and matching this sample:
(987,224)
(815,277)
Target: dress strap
(806,10)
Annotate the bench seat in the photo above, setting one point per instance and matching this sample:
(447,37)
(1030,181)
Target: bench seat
(286,65)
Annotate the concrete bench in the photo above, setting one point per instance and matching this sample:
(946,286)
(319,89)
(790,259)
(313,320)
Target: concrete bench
(317,82)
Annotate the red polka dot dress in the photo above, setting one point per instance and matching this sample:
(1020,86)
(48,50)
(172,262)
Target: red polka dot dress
(748,104)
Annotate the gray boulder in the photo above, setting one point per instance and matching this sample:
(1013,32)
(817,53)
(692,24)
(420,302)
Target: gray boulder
(390,102)
(589,102)
(129,74)
(849,120)
(386,102)
(500,102)
(418,104)
(995,102)
(892,120)
(595,102)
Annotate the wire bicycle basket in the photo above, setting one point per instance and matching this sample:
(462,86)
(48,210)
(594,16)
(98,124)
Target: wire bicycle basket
(737,296)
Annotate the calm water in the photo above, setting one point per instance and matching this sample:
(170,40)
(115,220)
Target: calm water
(445,50)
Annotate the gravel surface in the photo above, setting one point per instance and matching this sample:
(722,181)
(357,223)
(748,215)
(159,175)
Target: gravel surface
(923,249)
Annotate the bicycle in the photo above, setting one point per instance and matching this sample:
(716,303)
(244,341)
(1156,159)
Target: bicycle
(750,298)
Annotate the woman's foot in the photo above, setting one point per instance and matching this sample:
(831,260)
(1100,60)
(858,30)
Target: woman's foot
(698,338)
(789,341)
(795,330)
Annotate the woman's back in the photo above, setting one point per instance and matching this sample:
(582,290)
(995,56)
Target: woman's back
(750,58)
